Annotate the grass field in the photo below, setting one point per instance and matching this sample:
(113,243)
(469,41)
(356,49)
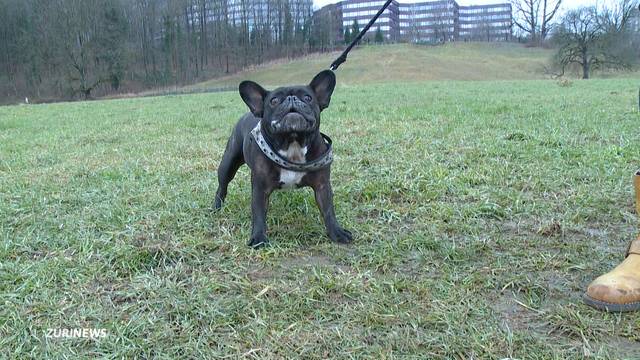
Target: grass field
(481,210)
(404,63)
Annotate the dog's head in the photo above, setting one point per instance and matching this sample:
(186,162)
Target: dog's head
(291,109)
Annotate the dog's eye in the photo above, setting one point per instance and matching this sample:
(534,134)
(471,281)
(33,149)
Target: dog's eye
(275,101)
(307,98)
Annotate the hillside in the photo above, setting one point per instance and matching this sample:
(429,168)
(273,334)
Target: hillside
(403,62)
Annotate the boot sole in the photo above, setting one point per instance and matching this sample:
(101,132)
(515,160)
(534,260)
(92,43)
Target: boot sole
(610,307)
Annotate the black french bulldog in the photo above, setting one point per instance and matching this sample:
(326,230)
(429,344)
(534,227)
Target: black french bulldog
(280,141)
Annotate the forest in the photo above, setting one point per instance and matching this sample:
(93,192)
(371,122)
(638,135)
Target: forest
(66,49)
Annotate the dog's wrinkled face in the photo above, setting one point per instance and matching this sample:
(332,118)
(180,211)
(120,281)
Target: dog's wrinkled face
(293,109)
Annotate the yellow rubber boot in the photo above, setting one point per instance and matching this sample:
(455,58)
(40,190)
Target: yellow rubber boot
(619,289)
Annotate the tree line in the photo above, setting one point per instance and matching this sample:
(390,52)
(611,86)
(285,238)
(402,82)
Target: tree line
(83,48)
(586,38)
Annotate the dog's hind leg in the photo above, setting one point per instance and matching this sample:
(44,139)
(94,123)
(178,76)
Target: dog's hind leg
(231,162)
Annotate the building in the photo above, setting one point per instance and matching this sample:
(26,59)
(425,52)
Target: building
(485,22)
(362,11)
(327,25)
(433,21)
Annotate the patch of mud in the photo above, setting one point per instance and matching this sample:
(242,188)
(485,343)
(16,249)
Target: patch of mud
(513,316)
(314,260)
(304,262)
(620,347)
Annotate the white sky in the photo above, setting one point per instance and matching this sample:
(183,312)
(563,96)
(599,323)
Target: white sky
(566,4)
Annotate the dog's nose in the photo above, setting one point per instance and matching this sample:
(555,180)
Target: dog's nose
(292,99)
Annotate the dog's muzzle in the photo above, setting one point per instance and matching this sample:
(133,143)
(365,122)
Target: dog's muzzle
(294,116)
(293,122)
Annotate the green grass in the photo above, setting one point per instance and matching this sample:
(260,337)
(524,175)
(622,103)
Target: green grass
(404,63)
(481,210)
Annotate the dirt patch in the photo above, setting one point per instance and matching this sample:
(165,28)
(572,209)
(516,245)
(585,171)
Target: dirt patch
(263,273)
(310,260)
(291,264)
(551,229)
(620,347)
(314,260)
(513,315)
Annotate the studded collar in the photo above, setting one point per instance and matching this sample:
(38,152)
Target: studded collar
(320,163)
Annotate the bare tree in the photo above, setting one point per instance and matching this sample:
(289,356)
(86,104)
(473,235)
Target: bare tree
(526,16)
(78,22)
(594,38)
(535,17)
(549,10)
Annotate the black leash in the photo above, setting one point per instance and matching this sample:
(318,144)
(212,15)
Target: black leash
(343,57)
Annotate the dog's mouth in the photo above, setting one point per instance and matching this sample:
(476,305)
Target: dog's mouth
(292,115)
(292,121)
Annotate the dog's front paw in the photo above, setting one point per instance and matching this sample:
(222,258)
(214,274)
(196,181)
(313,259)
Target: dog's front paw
(341,235)
(258,241)
(217,203)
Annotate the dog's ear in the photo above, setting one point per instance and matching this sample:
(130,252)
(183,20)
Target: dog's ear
(323,85)
(253,95)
